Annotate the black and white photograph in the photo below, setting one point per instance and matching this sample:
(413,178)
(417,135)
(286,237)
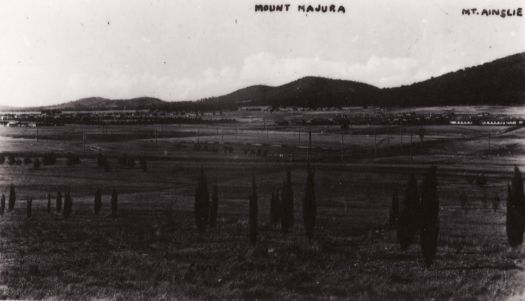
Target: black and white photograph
(262,150)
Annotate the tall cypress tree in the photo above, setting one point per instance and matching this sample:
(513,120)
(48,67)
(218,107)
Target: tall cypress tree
(114,203)
(2,204)
(407,224)
(515,206)
(253,214)
(12,197)
(68,205)
(429,216)
(29,208)
(214,206)
(394,209)
(287,203)
(59,201)
(517,191)
(309,205)
(98,201)
(201,205)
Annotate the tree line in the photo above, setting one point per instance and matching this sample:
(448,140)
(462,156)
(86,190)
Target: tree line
(415,218)
(63,203)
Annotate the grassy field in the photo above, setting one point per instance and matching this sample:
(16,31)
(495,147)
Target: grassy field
(153,250)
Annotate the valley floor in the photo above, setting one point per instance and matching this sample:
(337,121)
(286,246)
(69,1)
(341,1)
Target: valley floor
(152,250)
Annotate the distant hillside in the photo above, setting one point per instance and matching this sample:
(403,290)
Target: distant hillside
(500,82)
(99,103)
(305,92)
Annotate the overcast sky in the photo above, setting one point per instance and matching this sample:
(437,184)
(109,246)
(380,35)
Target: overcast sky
(56,51)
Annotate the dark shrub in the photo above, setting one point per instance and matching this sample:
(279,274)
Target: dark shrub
(481,180)
(49,159)
(36,163)
(72,159)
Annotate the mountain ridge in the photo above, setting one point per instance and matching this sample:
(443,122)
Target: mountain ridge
(499,82)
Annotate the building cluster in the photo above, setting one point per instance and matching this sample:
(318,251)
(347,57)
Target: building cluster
(487,119)
(408,118)
(342,118)
(59,118)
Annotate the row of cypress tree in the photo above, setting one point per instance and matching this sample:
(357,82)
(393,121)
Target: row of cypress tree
(281,209)
(67,204)
(11,201)
(418,214)
(281,205)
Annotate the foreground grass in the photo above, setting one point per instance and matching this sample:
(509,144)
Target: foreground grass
(156,255)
